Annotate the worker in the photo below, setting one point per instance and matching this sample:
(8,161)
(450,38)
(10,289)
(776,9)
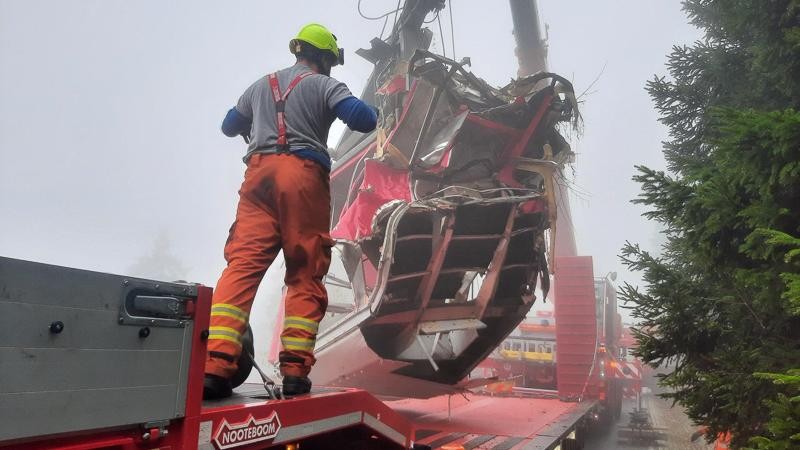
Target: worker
(284,204)
(723,438)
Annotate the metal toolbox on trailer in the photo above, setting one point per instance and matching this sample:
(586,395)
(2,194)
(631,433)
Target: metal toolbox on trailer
(84,350)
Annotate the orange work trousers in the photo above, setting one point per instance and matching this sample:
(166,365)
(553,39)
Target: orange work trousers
(284,204)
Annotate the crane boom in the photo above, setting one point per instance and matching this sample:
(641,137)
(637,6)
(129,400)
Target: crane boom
(532,57)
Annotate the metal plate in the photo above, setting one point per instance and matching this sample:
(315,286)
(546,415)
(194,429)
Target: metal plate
(67,361)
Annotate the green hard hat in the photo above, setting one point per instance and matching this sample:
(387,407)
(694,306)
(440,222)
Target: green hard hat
(318,36)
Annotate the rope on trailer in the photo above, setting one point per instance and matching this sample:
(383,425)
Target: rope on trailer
(273,391)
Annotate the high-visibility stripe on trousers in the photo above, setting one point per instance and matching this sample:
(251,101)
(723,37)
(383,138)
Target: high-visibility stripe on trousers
(225,334)
(284,204)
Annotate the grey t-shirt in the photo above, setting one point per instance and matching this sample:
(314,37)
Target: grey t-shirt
(308,111)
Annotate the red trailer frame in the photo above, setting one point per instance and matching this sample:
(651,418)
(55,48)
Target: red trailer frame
(328,418)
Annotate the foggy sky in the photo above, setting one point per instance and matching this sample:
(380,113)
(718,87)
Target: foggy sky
(110,113)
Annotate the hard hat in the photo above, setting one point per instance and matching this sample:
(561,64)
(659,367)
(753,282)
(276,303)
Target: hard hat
(318,37)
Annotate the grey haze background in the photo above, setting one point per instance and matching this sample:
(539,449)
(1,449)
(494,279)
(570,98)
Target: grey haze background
(111,156)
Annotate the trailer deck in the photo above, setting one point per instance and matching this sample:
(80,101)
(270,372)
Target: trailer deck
(492,422)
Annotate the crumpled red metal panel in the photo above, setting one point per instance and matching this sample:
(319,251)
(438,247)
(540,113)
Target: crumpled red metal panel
(381,185)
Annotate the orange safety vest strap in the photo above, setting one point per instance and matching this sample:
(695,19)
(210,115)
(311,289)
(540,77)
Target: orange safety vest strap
(280,105)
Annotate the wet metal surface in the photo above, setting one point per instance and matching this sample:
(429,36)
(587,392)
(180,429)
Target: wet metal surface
(255,393)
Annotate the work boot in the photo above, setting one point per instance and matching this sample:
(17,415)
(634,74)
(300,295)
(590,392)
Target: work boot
(215,387)
(293,386)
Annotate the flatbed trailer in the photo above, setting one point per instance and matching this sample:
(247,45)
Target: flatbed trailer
(91,360)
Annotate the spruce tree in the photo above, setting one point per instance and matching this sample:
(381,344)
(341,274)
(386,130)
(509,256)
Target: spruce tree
(722,298)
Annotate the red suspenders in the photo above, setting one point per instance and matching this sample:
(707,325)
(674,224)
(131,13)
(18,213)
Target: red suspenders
(280,105)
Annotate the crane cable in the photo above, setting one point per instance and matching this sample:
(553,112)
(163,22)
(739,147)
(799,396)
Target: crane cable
(396,13)
(433,19)
(394,22)
(383,28)
(387,14)
(436,18)
(452,30)
(441,35)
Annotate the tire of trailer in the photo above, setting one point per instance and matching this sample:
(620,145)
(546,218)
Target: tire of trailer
(245,363)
